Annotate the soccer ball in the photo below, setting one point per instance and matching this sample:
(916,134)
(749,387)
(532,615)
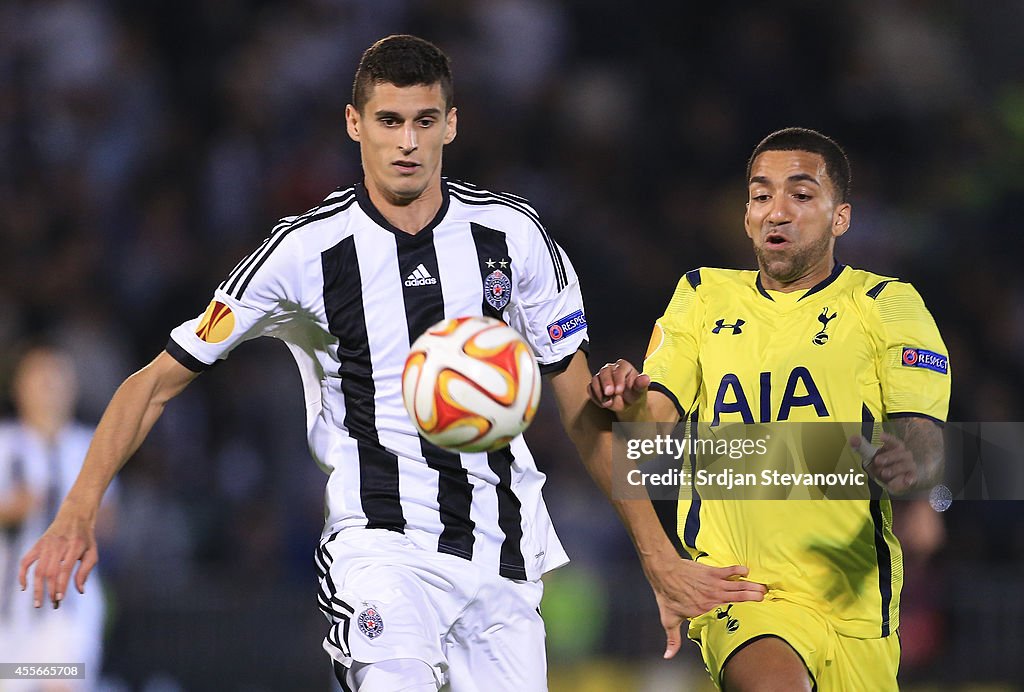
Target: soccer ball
(471,384)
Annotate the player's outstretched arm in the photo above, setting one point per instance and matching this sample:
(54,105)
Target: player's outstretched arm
(911,457)
(621,388)
(682,588)
(685,589)
(71,537)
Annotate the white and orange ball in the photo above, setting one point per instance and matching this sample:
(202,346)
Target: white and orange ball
(471,384)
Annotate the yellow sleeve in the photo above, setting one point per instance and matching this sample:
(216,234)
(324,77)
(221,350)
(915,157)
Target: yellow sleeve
(671,359)
(914,363)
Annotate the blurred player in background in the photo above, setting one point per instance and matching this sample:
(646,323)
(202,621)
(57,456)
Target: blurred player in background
(41,453)
(430,561)
(802,339)
(922,534)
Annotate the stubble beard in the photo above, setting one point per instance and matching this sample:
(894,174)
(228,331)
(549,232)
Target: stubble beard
(789,267)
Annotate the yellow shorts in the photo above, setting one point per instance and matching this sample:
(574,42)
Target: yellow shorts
(835,663)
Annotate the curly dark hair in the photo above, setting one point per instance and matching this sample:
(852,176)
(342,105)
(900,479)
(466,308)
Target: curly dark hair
(803,139)
(402,60)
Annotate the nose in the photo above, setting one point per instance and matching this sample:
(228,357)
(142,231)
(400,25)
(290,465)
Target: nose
(409,144)
(780,211)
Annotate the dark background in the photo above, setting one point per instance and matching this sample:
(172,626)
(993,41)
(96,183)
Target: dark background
(146,147)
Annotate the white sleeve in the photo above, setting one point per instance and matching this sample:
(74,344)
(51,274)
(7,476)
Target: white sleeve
(259,296)
(549,310)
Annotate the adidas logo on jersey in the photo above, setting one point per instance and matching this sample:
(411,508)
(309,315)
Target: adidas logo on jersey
(420,277)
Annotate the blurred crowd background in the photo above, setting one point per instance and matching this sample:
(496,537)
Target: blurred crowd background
(146,147)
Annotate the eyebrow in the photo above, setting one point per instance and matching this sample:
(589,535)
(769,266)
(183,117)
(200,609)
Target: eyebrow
(795,178)
(436,112)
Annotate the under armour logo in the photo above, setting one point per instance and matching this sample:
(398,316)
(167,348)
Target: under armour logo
(720,325)
(821,337)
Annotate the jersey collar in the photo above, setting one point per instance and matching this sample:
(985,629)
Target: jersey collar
(363,198)
(820,286)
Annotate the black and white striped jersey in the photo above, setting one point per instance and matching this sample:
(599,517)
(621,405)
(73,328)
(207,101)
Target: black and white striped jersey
(46,468)
(348,293)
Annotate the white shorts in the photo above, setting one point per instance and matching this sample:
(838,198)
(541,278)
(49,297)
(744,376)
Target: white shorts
(388,599)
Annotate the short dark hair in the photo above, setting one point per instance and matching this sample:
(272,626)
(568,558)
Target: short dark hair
(803,139)
(402,60)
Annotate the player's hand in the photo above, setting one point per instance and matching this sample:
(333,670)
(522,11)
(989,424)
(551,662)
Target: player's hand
(685,589)
(619,387)
(69,539)
(892,465)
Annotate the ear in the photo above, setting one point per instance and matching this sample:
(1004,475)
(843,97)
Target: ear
(841,218)
(451,125)
(352,122)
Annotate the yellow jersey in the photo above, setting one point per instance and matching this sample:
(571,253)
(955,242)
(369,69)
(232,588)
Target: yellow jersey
(856,348)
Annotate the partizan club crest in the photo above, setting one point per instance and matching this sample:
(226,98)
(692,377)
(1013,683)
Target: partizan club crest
(370,623)
(497,289)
